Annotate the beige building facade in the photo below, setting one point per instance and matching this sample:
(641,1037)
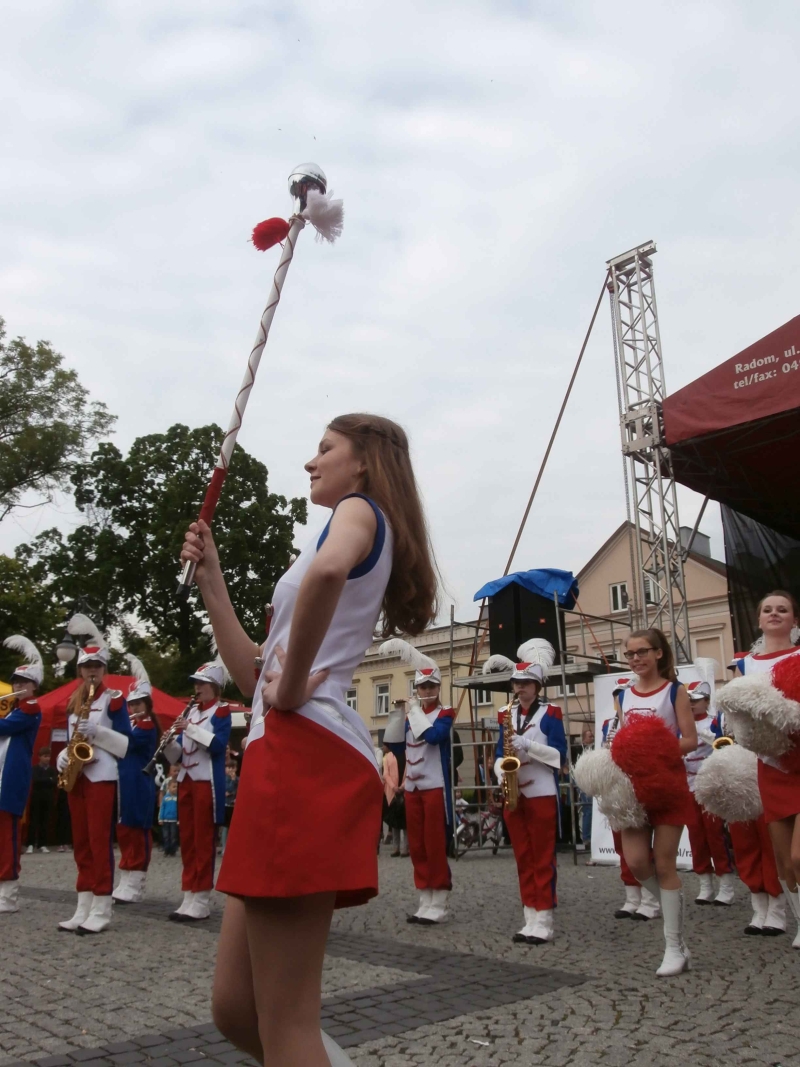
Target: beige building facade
(598,630)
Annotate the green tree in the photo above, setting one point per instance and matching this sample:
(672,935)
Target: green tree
(26,607)
(125,558)
(46,421)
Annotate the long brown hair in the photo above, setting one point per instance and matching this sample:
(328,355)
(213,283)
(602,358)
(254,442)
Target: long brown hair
(78,697)
(148,703)
(658,639)
(410,603)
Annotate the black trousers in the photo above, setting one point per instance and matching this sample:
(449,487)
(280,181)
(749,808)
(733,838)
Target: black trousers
(40,811)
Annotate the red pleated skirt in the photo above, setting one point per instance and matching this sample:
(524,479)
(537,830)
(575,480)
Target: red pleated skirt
(307,817)
(780,791)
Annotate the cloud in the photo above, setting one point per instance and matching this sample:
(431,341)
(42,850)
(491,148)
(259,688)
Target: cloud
(491,158)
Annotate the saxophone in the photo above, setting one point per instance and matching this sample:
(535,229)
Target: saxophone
(79,751)
(510,764)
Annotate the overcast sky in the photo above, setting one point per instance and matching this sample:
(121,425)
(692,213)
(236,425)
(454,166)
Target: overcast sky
(491,157)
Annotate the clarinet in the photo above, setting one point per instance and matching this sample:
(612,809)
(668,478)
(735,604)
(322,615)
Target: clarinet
(168,736)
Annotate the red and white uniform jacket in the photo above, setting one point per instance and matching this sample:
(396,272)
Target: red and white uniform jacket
(428,754)
(545,727)
(109,714)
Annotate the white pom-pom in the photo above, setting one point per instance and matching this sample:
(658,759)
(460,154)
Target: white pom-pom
(597,775)
(395,646)
(759,715)
(727,784)
(324,214)
(539,651)
(497,663)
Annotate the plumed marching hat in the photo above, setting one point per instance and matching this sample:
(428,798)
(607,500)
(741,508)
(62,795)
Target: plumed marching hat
(32,670)
(426,668)
(536,657)
(699,691)
(96,651)
(215,672)
(140,687)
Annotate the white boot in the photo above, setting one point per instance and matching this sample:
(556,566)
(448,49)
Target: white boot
(437,911)
(200,908)
(706,894)
(335,1054)
(759,903)
(9,891)
(676,957)
(180,912)
(99,917)
(793,896)
(775,922)
(724,897)
(122,893)
(543,928)
(425,901)
(527,930)
(136,882)
(633,901)
(81,912)
(650,907)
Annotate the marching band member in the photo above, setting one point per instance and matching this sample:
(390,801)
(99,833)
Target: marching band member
(200,749)
(427,786)
(94,794)
(137,790)
(641,782)
(540,744)
(289,860)
(18,727)
(706,831)
(750,708)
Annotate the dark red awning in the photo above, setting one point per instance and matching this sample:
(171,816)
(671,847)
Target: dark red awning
(734,434)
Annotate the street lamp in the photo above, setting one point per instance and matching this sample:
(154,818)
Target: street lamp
(66,650)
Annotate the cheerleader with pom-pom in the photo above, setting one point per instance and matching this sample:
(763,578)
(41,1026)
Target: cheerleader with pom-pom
(762,706)
(540,744)
(427,784)
(641,782)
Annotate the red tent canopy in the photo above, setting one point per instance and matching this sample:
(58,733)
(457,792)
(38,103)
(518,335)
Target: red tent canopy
(54,707)
(734,433)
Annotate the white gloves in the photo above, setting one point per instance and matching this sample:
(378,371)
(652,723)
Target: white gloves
(498,772)
(88,729)
(61,761)
(533,750)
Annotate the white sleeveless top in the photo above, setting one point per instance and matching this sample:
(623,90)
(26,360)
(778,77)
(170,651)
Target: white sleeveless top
(762,663)
(349,635)
(659,702)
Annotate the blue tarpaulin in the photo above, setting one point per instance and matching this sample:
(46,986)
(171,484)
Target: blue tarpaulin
(544,582)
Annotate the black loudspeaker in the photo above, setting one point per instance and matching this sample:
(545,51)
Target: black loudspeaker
(517,615)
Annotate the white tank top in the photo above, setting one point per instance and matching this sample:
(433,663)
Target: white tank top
(659,702)
(762,663)
(349,635)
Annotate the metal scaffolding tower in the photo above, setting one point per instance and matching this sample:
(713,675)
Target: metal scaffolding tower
(659,593)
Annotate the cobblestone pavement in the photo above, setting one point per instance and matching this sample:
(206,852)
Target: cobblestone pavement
(396,995)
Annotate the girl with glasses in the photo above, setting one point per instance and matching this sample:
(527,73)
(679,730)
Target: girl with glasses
(656,730)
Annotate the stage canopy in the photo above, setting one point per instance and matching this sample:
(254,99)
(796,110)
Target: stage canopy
(545,582)
(734,434)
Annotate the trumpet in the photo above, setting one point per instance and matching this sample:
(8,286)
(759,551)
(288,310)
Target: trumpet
(510,764)
(79,751)
(7,702)
(167,736)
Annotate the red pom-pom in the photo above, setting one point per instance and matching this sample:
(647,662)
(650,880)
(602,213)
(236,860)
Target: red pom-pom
(270,232)
(649,753)
(786,677)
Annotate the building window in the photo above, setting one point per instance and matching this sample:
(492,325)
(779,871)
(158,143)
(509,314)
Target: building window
(382,699)
(351,698)
(619,596)
(483,696)
(651,591)
(571,690)
(412,693)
